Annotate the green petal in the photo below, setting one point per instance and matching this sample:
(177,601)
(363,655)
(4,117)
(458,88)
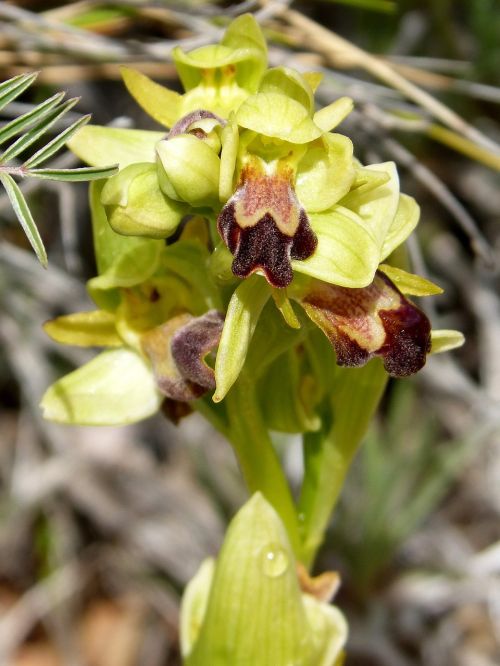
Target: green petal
(332,115)
(347,253)
(137,206)
(242,316)
(366,179)
(290,83)
(328,632)
(85,329)
(410,284)
(115,388)
(194,605)
(278,116)
(325,173)
(189,170)
(101,146)
(445,340)
(160,103)
(404,222)
(228,155)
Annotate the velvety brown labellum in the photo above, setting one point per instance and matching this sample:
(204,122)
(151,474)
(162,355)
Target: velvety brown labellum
(177,350)
(374,321)
(265,227)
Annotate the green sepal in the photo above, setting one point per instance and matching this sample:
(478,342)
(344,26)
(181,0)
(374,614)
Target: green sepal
(446,340)
(347,253)
(242,45)
(284,396)
(325,173)
(403,223)
(188,170)
(115,388)
(410,284)
(85,329)
(136,206)
(332,115)
(242,316)
(290,83)
(101,146)
(254,592)
(134,265)
(162,104)
(194,605)
(276,115)
(108,245)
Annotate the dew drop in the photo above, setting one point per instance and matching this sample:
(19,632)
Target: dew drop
(274,560)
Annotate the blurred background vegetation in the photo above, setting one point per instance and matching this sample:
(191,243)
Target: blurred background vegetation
(100,529)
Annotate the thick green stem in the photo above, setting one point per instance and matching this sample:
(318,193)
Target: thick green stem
(257,458)
(329,452)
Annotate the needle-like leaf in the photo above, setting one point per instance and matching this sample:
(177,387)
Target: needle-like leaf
(56,143)
(24,216)
(74,175)
(36,114)
(12,88)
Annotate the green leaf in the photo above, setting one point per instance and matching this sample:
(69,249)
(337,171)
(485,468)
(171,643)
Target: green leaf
(325,173)
(101,146)
(56,143)
(37,131)
(410,284)
(12,88)
(115,388)
(446,340)
(275,115)
(17,125)
(404,222)
(347,253)
(242,316)
(24,216)
(74,175)
(85,329)
(160,103)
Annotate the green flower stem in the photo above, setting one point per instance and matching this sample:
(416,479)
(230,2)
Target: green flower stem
(329,452)
(257,458)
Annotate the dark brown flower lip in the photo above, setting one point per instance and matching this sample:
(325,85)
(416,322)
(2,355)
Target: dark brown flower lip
(265,227)
(372,321)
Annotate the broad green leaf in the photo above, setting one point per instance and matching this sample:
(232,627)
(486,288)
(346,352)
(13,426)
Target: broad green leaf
(57,142)
(325,173)
(288,82)
(24,216)
(115,388)
(85,329)
(445,340)
(377,208)
(101,146)
(12,88)
(404,222)
(189,170)
(17,125)
(74,175)
(275,115)
(137,206)
(242,316)
(347,253)
(410,284)
(37,131)
(254,592)
(332,115)
(160,103)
